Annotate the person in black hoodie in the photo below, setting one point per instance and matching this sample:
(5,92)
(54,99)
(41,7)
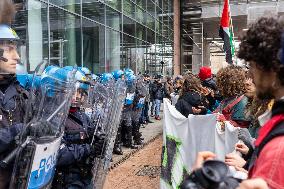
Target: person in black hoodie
(158,94)
(191,100)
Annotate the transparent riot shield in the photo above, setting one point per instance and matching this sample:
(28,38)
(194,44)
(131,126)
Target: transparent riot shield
(109,127)
(141,86)
(40,140)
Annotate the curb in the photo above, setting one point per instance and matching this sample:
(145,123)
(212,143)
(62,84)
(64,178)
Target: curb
(134,152)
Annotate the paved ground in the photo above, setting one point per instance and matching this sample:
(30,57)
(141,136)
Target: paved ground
(140,171)
(149,133)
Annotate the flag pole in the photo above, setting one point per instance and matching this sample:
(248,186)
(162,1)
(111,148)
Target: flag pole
(233,36)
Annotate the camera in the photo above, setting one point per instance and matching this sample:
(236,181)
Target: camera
(213,174)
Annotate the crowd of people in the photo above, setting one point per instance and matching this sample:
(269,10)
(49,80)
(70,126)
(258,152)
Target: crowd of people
(249,97)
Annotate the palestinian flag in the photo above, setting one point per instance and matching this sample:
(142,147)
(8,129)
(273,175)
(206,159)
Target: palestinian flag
(226,33)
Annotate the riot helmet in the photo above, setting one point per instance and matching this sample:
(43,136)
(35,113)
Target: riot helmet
(118,74)
(128,71)
(130,82)
(82,90)
(95,77)
(9,56)
(106,78)
(87,72)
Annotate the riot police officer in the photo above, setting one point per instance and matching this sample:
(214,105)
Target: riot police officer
(139,100)
(126,117)
(76,154)
(118,74)
(12,99)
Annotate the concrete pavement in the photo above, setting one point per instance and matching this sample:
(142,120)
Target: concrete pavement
(149,132)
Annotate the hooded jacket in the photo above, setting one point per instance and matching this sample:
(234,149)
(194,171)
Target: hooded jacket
(189,100)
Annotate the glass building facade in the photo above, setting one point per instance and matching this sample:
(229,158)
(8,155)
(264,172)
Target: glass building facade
(103,35)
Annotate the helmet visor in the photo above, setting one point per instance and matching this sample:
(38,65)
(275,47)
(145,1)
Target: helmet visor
(82,95)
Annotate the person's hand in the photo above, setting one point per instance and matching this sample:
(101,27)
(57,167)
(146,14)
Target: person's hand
(241,169)
(241,147)
(196,110)
(201,158)
(256,183)
(234,160)
(221,118)
(98,148)
(205,91)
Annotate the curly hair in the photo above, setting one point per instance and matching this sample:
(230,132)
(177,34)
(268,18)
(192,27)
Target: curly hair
(7,11)
(190,83)
(231,81)
(261,44)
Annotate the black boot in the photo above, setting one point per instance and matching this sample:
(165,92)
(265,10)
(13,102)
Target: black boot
(117,149)
(137,135)
(128,136)
(117,145)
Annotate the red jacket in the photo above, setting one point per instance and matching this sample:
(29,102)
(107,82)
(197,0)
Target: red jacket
(269,164)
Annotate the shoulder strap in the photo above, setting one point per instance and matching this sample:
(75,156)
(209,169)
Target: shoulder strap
(22,91)
(232,104)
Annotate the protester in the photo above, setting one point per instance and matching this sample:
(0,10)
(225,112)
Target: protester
(231,84)
(177,85)
(261,47)
(169,89)
(206,78)
(267,71)
(255,107)
(190,100)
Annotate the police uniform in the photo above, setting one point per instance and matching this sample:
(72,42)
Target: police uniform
(139,100)
(73,169)
(12,112)
(126,117)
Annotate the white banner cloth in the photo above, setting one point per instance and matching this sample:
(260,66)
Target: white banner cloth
(184,137)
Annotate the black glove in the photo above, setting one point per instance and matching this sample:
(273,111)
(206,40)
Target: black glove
(39,129)
(8,135)
(98,147)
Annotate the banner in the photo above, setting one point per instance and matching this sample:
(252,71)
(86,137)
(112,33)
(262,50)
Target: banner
(184,137)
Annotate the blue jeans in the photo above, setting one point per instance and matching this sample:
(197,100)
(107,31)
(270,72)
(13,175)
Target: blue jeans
(152,107)
(157,107)
(145,112)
